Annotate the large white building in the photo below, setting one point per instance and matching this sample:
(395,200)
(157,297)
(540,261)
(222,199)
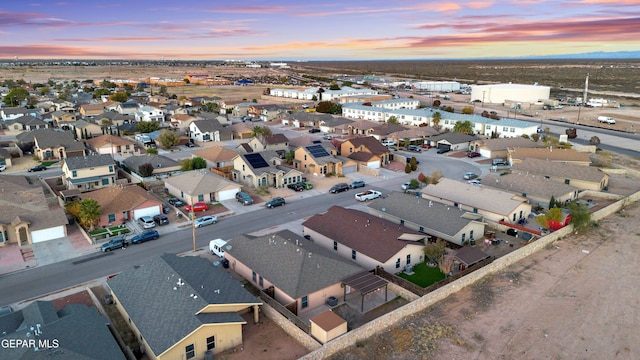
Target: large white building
(325,95)
(501,93)
(442,86)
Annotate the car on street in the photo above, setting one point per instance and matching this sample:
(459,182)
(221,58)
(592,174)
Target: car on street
(146,222)
(3,168)
(161,219)
(339,187)
(295,187)
(114,244)
(38,168)
(199,206)
(442,150)
(175,202)
(314,130)
(356,184)
(205,220)
(470,176)
(405,186)
(276,201)
(472,154)
(145,236)
(414,148)
(327,137)
(475,182)
(244,198)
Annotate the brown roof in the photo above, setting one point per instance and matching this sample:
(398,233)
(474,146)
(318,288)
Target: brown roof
(327,320)
(550,153)
(568,171)
(216,154)
(374,146)
(241,127)
(469,255)
(116,199)
(92,106)
(361,156)
(100,141)
(276,139)
(360,231)
(365,124)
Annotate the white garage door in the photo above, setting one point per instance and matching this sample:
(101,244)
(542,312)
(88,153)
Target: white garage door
(227,194)
(48,234)
(485,153)
(374,164)
(150,211)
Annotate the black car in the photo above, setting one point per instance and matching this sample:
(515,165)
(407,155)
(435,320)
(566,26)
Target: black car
(276,201)
(190,144)
(175,202)
(295,187)
(161,219)
(313,131)
(339,187)
(38,168)
(442,150)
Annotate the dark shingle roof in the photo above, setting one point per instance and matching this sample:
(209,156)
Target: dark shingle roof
(454,137)
(84,162)
(152,295)
(374,146)
(158,161)
(294,265)
(208,125)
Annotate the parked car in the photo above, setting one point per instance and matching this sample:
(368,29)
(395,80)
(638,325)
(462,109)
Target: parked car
(295,187)
(356,184)
(499,162)
(205,220)
(190,144)
(470,176)
(414,148)
(145,236)
(339,187)
(473,154)
(475,182)
(405,186)
(165,209)
(276,201)
(38,168)
(244,198)
(114,244)
(314,130)
(5,310)
(388,142)
(307,185)
(161,219)
(413,157)
(199,206)
(175,202)
(3,168)
(327,137)
(146,222)
(442,150)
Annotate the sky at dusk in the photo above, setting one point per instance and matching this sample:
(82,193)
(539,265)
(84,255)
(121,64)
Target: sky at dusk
(315,30)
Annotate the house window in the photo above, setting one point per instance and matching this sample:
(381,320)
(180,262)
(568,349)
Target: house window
(110,168)
(567,181)
(463,238)
(471,234)
(112,218)
(421,229)
(254,276)
(211,342)
(261,282)
(74,173)
(126,147)
(305,157)
(182,194)
(475,210)
(335,245)
(514,217)
(105,181)
(305,302)
(353,254)
(398,263)
(401,221)
(242,167)
(190,351)
(200,197)
(408,259)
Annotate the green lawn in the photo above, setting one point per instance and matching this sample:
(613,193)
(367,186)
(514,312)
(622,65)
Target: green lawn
(115,230)
(424,275)
(48,163)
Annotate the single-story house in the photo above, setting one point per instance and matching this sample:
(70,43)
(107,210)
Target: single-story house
(162,165)
(536,188)
(201,185)
(498,148)
(119,204)
(557,155)
(111,144)
(453,141)
(582,177)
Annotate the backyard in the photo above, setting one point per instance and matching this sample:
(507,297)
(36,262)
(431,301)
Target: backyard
(423,275)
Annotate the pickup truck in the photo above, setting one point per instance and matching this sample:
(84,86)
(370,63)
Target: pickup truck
(368,195)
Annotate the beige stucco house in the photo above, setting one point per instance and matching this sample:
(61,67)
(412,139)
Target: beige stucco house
(91,172)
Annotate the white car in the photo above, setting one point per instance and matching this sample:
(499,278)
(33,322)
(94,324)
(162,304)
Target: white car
(147,222)
(475,182)
(3,168)
(205,220)
(388,142)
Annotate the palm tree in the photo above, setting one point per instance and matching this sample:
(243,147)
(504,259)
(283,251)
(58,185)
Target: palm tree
(89,213)
(436,119)
(256,131)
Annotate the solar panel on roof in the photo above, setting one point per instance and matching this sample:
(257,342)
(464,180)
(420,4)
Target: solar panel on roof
(256,161)
(317,151)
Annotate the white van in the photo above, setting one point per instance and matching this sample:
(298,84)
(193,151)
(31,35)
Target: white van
(606,119)
(216,247)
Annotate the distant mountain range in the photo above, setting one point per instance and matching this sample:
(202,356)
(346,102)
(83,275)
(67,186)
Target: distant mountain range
(590,55)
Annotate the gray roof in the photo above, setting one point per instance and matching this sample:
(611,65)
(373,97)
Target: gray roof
(209,125)
(50,138)
(84,162)
(432,215)
(530,184)
(567,171)
(28,120)
(166,312)
(454,137)
(199,182)
(293,264)
(158,161)
(68,326)
(336,121)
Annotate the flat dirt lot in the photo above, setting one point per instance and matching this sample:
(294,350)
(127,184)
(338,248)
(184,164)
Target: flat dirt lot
(576,299)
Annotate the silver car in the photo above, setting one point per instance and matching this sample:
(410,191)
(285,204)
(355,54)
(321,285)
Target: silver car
(205,220)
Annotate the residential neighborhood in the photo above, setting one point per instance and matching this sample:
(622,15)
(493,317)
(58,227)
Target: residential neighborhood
(98,176)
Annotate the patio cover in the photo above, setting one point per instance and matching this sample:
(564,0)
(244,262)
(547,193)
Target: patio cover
(365,282)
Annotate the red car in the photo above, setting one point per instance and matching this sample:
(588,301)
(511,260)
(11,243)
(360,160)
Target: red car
(473,154)
(199,206)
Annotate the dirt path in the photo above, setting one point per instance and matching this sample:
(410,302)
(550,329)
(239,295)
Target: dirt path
(576,299)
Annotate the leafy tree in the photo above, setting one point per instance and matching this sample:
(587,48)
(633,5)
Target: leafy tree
(594,140)
(554,214)
(437,116)
(468,110)
(525,136)
(89,211)
(289,156)
(147,126)
(347,83)
(145,170)
(406,141)
(422,178)
(210,107)
(413,162)
(324,107)
(449,109)
(152,151)
(168,138)
(16,96)
(334,86)
(552,202)
(44,90)
(254,100)
(199,163)
(163,89)
(97,93)
(187,81)
(535,137)
(407,168)
(465,127)
(336,109)
(580,216)
(436,103)
(119,96)
(435,177)
(266,131)
(392,120)
(414,184)
(434,251)
(73,208)
(109,85)
(186,164)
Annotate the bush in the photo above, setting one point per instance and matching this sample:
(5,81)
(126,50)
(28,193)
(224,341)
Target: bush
(407,168)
